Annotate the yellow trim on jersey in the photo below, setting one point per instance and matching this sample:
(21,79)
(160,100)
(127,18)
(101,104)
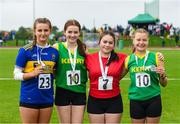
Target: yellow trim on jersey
(140,56)
(28,46)
(65,45)
(126,62)
(157,60)
(56,46)
(48,68)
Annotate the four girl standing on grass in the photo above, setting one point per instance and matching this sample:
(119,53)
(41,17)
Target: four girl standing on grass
(105,67)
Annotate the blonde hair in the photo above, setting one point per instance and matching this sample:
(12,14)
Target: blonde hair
(139,30)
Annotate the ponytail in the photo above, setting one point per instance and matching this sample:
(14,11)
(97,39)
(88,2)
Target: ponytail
(81,48)
(34,40)
(133,49)
(113,57)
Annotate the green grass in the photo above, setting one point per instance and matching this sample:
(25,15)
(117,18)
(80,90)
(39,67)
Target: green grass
(9,89)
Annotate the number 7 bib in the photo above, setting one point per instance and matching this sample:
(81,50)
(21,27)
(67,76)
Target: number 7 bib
(105,84)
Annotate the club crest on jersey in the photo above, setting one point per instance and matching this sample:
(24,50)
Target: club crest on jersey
(53,56)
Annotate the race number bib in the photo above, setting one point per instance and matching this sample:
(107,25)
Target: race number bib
(143,80)
(44,81)
(73,77)
(105,84)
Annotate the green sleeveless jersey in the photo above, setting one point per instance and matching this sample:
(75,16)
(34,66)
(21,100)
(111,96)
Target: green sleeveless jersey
(65,77)
(144,80)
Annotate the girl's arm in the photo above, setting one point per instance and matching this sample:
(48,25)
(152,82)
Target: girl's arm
(125,68)
(124,72)
(19,75)
(161,70)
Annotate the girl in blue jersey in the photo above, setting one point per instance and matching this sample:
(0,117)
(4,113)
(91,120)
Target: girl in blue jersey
(35,64)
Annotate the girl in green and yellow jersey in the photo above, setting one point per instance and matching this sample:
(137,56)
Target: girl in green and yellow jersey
(71,76)
(146,72)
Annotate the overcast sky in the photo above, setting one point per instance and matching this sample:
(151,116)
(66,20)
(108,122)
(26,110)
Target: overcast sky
(16,13)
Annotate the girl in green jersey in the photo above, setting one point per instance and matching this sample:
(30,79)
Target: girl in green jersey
(71,76)
(146,72)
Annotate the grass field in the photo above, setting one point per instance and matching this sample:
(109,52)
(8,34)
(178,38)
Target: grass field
(9,89)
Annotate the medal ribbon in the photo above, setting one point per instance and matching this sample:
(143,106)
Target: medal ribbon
(39,53)
(73,61)
(104,73)
(145,59)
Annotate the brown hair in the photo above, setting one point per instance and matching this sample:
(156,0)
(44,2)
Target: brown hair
(37,21)
(139,30)
(79,42)
(114,56)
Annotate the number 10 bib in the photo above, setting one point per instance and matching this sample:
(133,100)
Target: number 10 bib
(73,77)
(143,80)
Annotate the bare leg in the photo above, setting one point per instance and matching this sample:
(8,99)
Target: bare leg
(136,121)
(45,115)
(77,113)
(29,115)
(153,120)
(64,113)
(97,118)
(113,118)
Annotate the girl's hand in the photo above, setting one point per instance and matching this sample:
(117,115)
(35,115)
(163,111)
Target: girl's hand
(160,70)
(38,70)
(160,56)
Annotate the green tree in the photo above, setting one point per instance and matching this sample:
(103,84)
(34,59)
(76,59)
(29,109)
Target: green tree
(55,29)
(23,34)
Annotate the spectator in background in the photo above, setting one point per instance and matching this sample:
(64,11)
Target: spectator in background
(117,37)
(1,41)
(177,33)
(127,32)
(171,33)
(62,39)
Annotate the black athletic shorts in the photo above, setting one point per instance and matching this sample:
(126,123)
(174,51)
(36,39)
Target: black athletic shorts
(65,97)
(35,106)
(148,108)
(106,105)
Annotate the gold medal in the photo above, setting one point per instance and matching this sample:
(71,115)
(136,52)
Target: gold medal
(46,69)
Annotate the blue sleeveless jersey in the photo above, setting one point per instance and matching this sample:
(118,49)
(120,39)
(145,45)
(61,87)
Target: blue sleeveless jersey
(37,90)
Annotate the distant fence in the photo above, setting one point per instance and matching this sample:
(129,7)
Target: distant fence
(91,39)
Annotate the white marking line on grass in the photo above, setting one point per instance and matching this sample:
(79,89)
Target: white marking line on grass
(3,79)
(127,79)
(170,79)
